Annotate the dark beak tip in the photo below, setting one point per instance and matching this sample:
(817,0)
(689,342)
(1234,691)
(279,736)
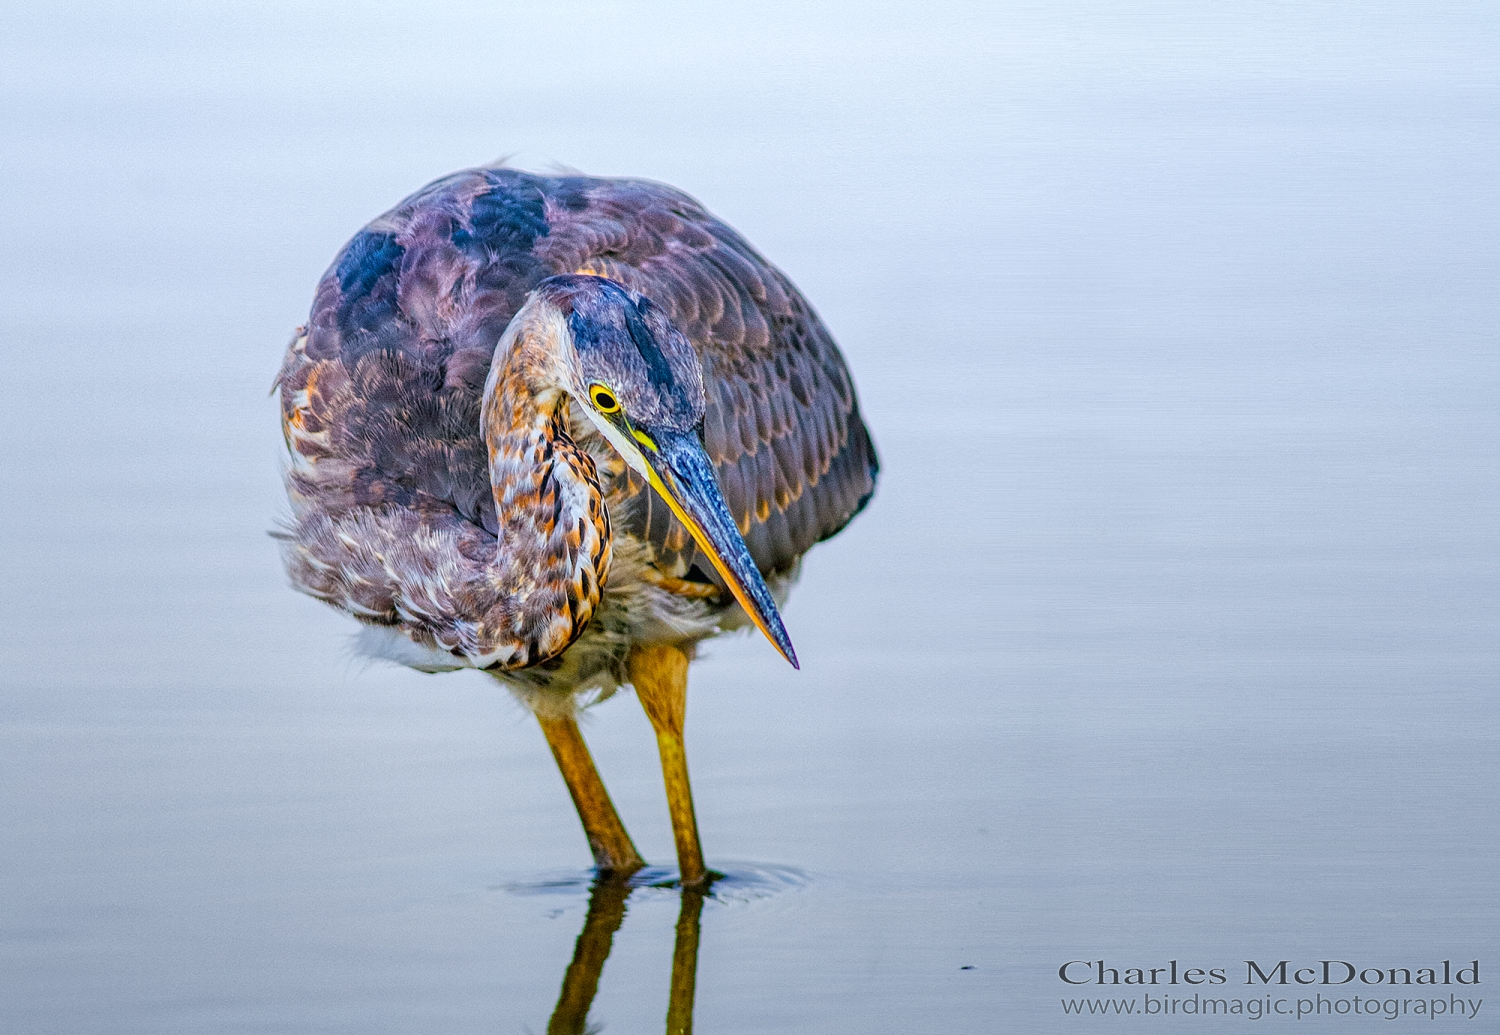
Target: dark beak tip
(785,648)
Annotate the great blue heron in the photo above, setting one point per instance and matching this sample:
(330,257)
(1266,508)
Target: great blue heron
(562,429)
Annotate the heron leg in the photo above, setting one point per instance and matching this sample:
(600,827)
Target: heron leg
(581,981)
(613,850)
(685,964)
(659,673)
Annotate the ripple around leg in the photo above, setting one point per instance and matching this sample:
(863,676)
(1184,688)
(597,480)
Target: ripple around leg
(737,881)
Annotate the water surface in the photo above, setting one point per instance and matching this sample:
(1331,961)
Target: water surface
(1170,635)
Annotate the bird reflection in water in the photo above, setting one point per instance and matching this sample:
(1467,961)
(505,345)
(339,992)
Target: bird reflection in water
(606,914)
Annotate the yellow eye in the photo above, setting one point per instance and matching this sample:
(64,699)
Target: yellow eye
(603,399)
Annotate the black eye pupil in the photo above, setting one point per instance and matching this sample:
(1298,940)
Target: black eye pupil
(604,401)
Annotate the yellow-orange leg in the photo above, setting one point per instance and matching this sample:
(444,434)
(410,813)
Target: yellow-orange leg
(659,674)
(685,964)
(581,981)
(613,850)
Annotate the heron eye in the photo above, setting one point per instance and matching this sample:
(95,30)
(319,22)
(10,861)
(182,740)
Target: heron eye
(603,399)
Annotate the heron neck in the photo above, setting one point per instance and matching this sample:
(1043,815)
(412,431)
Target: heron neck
(553,541)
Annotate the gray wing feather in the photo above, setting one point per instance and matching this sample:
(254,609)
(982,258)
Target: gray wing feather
(794,459)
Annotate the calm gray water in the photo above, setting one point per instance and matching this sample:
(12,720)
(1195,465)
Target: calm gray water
(1171,634)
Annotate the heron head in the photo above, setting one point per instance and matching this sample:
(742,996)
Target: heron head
(639,381)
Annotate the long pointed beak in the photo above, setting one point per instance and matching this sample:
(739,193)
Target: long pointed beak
(683,476)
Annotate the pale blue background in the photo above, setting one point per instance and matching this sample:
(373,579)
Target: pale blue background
(1172,632)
